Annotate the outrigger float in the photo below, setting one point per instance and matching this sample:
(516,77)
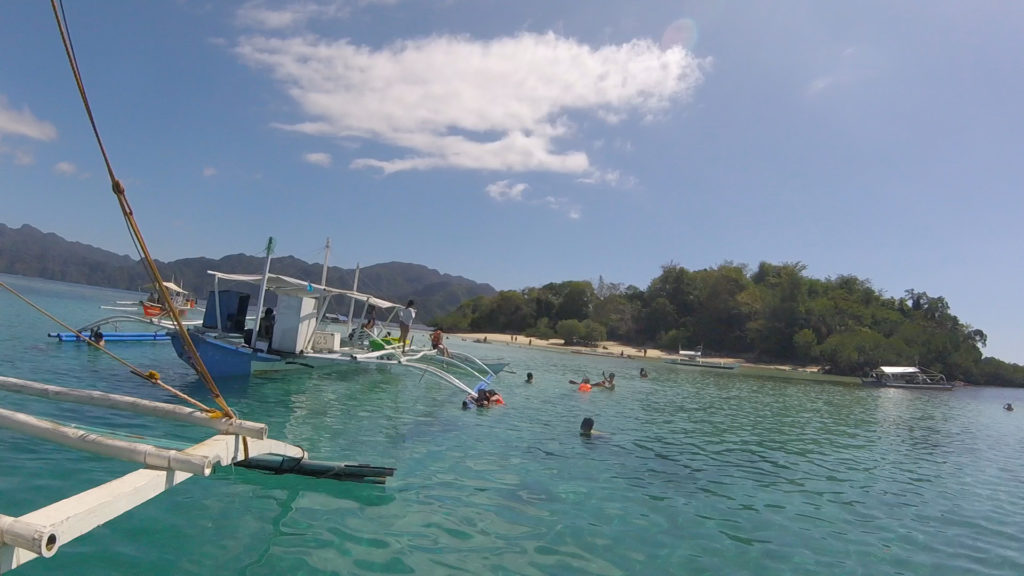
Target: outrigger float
(158,333)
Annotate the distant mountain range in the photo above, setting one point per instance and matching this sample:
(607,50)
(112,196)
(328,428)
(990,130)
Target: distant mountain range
(27,251)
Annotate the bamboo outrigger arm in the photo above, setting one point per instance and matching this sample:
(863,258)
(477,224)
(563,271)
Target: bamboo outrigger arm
(41,532)
(136,405)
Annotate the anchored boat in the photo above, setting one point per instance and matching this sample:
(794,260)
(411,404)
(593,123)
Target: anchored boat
(696,359)
(913,377)
(42,532)
(300,338)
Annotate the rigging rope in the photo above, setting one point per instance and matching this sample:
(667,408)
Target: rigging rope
(126,210)
(151,376)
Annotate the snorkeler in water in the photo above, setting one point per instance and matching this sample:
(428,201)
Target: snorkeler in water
(587,427)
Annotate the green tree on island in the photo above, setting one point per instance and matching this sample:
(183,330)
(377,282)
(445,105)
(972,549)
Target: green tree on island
(774,313)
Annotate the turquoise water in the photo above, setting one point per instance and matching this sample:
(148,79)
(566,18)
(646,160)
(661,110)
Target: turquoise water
(696,472)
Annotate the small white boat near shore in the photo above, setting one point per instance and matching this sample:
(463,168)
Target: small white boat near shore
(696,359)
(907,377)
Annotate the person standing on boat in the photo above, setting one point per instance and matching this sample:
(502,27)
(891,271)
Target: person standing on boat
(405,318)
(267,326)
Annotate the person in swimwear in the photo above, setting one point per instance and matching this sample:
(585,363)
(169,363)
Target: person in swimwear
(587,427)
(643,372)
(608,382)
(437,343)
(583,385)
(484,398)
(529,377)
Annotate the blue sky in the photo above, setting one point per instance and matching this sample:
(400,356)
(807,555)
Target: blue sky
(520,143)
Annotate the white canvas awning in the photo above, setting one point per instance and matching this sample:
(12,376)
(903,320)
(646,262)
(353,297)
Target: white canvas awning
(294,287)
(169,285)
(899,370)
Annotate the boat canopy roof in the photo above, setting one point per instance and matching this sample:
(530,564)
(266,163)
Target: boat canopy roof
(169,285)
(280,284)
(898,370)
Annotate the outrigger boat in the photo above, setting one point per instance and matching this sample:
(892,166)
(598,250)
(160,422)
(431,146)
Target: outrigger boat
(301,339)
(696,359)
(153,307)
(42,532)
(158,330)
(912,377)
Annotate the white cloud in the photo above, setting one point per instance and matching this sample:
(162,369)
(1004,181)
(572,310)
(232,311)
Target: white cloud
(852,66)
(21,157)
(265,15)
(506,190)
(457,102)
(65,168)
(560,205)
(820,83)
(318,158)
(24,123)
(269,16)
(209,171)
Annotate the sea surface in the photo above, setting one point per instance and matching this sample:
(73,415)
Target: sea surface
(695,471)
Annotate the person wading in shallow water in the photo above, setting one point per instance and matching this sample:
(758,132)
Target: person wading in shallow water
(587,427)
(608,382)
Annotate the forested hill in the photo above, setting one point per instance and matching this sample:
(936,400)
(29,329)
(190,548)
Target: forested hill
(27,251)
(773,313)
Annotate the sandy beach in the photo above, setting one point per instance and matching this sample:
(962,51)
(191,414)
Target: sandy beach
(617,349)
(606,348)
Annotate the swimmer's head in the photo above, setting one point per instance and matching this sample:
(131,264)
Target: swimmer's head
(587,426)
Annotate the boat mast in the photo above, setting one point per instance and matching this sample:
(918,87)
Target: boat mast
(263,290)
(327,254)
(352,301)
(322,301)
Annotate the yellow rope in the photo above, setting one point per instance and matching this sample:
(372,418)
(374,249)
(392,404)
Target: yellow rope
(152,376)
(126,210)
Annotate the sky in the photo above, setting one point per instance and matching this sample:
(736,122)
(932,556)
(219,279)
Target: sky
(521,143)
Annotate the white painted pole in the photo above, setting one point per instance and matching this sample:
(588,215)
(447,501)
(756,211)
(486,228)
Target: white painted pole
(216,301)
(351,301)
(40,540)
(327,254)
(89,442)
(136,405)
(263,290)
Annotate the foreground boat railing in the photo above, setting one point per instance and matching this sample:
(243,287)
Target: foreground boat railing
(131,404)
(243,443)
